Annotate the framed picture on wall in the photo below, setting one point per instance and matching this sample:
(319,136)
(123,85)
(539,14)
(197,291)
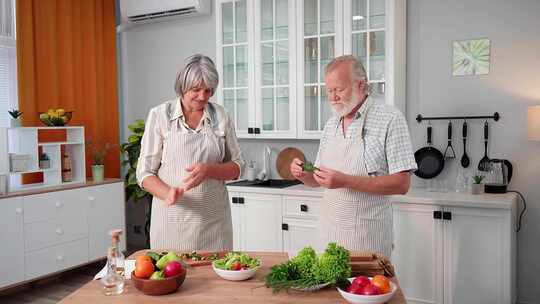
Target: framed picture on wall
(471,57)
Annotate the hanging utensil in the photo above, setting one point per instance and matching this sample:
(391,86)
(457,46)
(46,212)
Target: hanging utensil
(449,151)
(484,163)
(465,161)
(429,159)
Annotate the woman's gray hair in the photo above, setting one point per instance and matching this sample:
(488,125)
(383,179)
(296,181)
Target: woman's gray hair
(358,72)
(198,70)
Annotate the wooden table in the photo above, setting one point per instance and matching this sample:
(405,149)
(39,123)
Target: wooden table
(202,285)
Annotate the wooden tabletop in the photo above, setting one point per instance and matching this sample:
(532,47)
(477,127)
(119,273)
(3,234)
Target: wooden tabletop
(202,285)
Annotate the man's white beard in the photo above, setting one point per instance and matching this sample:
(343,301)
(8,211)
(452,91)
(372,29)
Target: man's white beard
(344,108)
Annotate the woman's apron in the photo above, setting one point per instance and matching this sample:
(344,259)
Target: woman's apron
(353,219)
(201,219)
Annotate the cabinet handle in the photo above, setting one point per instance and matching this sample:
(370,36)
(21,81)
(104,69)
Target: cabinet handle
(240,200)
(60,258)
(59,231)
(437,215)
(58,204)
(18,210)
(91,198)
(235,200)
(284,226)
(303,208)
(447,215)
(250,131)
(257,131)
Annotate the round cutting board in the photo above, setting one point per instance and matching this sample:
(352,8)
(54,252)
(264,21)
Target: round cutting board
(284,159)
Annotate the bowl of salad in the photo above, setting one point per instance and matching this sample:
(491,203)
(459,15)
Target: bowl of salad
(236,266)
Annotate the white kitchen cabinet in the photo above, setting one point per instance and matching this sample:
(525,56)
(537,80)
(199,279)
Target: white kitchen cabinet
(454,254)
(256,222)
(271,56)
(12,240)
(106,211)
(298,234)
(48,232)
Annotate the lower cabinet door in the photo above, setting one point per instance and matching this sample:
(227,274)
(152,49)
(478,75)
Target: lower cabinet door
(261,222)
(12,240)
(298,234)
(106,211)
(418,252)
(477,256)
(57,258)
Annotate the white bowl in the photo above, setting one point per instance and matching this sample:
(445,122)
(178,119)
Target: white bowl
(236,275)
(362,299)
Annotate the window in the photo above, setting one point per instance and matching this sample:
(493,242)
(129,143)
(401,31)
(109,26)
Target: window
(8,61)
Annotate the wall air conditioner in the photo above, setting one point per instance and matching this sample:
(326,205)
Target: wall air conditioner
(148,11)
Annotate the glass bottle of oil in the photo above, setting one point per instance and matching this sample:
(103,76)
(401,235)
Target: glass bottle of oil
(113,282)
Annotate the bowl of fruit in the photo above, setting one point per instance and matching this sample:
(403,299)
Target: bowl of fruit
(236,266)
(365,290)
(55,117)
(158,274)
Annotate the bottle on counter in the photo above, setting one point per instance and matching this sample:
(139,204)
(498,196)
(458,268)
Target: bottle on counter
(113,282)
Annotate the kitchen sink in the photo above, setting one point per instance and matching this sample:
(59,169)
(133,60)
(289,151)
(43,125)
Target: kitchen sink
(269,183)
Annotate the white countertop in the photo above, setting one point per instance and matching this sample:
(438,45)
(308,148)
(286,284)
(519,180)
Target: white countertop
(415,195)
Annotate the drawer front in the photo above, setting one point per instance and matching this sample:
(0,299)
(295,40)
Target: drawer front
(45,234)
(301,207)
(56,258)
(48,206)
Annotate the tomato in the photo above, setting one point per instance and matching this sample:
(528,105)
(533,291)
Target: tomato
(237,266)
(143,258)
(144,269)
(382,283)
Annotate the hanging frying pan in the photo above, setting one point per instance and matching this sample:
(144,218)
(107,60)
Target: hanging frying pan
(430,161)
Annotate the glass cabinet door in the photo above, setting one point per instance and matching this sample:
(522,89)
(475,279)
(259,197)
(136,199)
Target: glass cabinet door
(320,42)
(368,44)
(234,50)
(274,81)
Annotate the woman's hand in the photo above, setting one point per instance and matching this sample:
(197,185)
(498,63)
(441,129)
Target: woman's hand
(198,173)
(173,195)
(296,169)
(330,179)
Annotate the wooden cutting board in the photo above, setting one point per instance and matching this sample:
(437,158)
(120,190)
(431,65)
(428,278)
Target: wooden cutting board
(284,159)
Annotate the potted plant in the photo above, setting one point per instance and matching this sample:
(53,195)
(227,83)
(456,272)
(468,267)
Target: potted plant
(44,161)
(15,120)
(98,160)
(477,186)
(131,151)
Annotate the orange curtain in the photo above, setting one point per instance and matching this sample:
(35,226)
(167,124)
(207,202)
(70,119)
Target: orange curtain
(66,56)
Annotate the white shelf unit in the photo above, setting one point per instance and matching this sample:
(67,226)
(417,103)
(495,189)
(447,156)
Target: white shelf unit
(25,141)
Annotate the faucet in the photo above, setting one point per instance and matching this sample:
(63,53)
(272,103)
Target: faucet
(265,172)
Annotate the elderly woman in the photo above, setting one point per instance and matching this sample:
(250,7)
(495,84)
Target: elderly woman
(189,148)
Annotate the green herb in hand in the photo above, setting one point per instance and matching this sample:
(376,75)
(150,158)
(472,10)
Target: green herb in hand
(309,167)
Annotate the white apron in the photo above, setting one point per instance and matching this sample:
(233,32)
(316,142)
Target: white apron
(353,219)
(201,219)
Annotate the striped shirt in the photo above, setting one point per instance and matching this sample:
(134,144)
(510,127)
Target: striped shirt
(387,140)
(159,124)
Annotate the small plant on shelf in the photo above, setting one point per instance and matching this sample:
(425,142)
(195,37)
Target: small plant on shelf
(15,114)
(99,151)
(477,179)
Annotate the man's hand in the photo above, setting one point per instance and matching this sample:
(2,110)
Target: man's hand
(330,179)
(198,174)
(173,195)
(297,170)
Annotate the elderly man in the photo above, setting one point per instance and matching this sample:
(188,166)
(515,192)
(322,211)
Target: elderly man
(364,155)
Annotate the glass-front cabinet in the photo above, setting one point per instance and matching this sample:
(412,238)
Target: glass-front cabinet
(235,62)
(320,39)
(271,56)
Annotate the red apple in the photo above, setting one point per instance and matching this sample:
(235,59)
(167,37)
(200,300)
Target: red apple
(369,290)
(354,289)
(361,281)
(173,268)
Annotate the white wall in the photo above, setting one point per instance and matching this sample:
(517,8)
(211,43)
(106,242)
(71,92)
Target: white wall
(152,54)
(512,84)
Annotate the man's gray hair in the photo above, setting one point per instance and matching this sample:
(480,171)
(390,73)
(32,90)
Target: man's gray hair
(358,72)
(198,70)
